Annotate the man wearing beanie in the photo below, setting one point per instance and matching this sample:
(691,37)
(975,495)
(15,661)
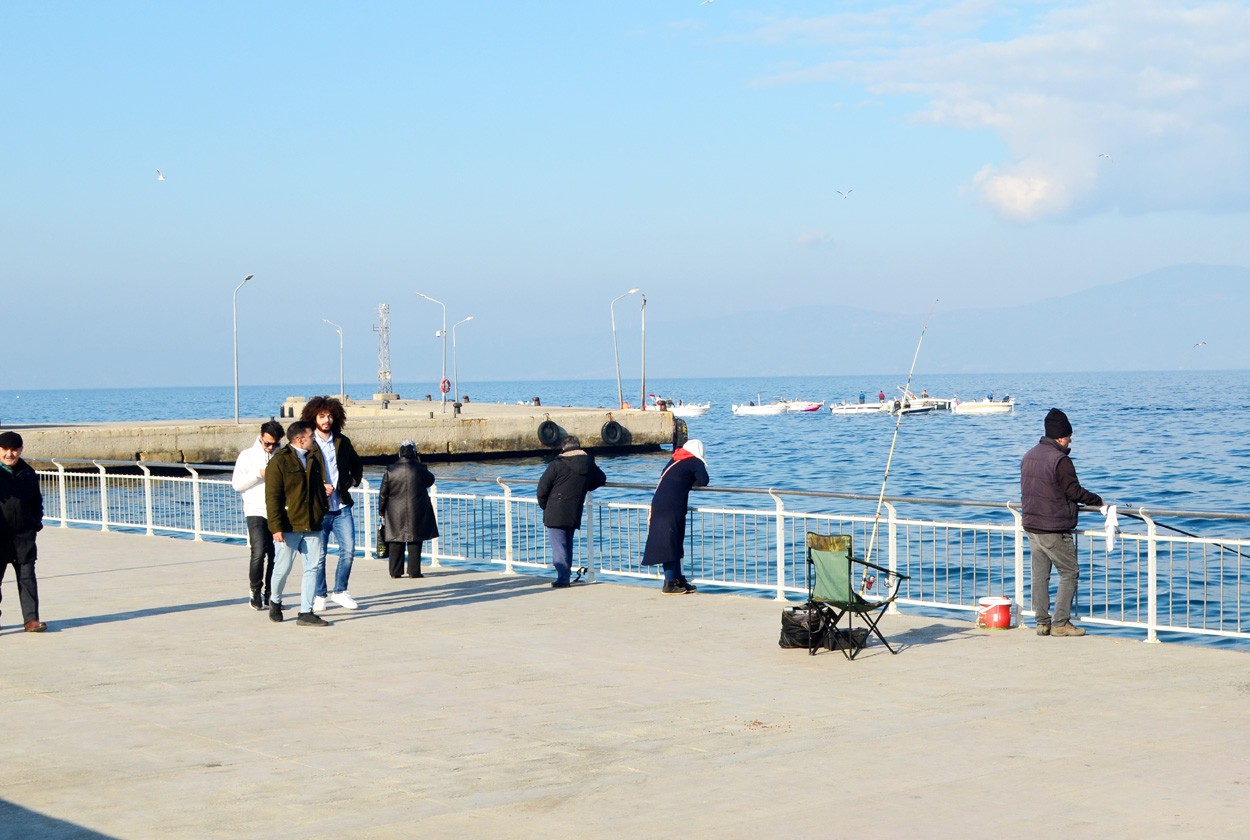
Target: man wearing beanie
(562,496)
(1050,495)
(21,517)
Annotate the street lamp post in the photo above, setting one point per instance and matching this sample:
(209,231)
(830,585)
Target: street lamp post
(455,358)
(235,306)
(620,395)
(442,334)
(643,403)
(339,330)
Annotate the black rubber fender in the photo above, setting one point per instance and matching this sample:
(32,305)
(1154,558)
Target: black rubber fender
(680,433)
(548,433)
(613,433)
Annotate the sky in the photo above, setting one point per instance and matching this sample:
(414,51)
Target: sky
(527,163)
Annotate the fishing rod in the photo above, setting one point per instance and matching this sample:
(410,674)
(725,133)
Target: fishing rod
(1182,532)
(898,421)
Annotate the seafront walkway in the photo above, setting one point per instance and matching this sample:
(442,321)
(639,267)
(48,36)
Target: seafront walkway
(480,704)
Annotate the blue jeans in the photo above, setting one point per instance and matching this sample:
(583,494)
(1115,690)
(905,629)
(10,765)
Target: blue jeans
(343,527)
(310,546)
(561,540)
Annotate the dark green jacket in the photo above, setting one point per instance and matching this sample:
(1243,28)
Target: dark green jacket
(295,497)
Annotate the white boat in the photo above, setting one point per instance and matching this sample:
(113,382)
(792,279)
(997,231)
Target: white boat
(678,408)
(803,405)
(858,408)
(753,410)
(1004,406)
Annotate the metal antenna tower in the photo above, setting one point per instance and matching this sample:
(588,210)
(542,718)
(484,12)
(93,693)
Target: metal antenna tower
(383,329)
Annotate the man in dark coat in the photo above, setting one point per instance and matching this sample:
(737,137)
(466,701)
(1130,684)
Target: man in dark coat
(21,517)
(406,511)
(666,536)
(344,470)
(296,500)
(1050,496)
(562,496)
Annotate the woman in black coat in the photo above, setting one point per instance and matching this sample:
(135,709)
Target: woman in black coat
(406,511)
(562,496)
(667,533)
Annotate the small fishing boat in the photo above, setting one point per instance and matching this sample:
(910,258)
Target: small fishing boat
(677,407)
(803,405)
(1004,406)
(754,410)
(859,408)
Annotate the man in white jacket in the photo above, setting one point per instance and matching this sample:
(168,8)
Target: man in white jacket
(249,480)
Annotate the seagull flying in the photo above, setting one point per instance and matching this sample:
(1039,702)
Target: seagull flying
(1108,157)
(1200,344)
(846,194)
(705,2)
(160,176)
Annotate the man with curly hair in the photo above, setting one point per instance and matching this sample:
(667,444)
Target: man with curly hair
(343,472)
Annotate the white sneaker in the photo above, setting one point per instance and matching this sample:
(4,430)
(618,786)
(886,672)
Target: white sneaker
(319,604)
(343,600)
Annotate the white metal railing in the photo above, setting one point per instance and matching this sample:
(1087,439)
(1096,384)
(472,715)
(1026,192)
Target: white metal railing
(1152,582)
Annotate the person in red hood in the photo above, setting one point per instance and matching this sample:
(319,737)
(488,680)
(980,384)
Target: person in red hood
(666,535)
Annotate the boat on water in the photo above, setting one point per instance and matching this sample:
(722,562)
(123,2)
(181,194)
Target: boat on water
(754,410)
(803,405)
(859,408)
(676,407)
(987,406)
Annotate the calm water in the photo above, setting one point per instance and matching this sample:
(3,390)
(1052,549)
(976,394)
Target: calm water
(1162,440)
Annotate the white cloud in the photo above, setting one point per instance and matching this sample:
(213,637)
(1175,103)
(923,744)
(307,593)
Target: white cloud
(813,239)
(1159,85)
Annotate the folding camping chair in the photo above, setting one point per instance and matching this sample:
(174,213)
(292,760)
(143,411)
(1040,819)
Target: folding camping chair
(831,593)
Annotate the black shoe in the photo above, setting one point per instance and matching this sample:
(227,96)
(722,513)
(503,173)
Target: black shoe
(256,602)
(396,577)
(309,619)
(560,584)
(674,587)
(417,575)
(265,600)
(275,611)
(689,587)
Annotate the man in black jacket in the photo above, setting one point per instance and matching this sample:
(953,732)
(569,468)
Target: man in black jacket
(21,517)
(1050,496)
(561,495)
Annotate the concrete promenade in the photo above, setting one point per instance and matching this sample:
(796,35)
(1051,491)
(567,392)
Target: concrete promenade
(472,704)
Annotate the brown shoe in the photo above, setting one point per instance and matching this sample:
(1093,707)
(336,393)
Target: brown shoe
(35,626)
(1043,629)
(1066,630)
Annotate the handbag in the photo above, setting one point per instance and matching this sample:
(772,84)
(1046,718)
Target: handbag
(379,548)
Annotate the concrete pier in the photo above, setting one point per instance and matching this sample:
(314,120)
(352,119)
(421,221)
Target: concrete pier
(476,704)
(476,430)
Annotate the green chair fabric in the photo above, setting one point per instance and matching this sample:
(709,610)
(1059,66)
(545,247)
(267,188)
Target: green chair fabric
(832,596)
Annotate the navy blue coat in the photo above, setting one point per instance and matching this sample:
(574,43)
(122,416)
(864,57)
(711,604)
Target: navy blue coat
(667,535)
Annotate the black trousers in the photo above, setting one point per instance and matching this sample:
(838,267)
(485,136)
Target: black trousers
(260,566)
(20,553)
(395,554)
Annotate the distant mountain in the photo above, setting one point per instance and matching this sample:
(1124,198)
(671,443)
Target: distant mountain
(1152,322)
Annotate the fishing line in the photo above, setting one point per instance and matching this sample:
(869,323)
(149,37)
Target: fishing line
(876,519)
(1183,532)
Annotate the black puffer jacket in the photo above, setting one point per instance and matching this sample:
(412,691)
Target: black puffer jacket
(21,503)
(1050,493)
(404,502)
(562,489)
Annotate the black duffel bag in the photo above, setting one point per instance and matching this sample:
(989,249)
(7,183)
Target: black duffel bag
(795,632)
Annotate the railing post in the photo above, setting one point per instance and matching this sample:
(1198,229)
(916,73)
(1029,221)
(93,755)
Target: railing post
(368,525)
(434,564)
(590,538)
(1152,578)
(61,494)
(104,497)
(147,496)
(891,536)
(780,508)
(507,527)
(1018,536)
(195,502)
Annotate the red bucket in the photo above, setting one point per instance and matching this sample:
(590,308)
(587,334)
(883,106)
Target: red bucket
(996,613)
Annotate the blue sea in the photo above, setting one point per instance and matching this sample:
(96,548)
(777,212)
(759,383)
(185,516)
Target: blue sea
(1174,441)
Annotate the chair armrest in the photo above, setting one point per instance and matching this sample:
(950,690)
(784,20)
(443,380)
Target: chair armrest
(880,568)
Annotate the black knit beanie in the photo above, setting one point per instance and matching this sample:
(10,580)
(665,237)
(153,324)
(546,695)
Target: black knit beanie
(1057,424)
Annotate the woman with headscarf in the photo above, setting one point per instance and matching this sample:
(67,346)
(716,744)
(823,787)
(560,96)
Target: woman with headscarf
(666,536)
(406,511)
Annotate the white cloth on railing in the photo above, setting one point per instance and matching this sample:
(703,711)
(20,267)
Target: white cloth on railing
(1112,525)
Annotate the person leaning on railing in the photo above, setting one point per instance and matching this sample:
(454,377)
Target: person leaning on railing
(1050,499)
(666,531)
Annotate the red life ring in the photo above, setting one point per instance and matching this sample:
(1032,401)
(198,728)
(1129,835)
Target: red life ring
(445,386)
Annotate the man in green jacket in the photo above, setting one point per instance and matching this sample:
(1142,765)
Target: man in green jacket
(295,501)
